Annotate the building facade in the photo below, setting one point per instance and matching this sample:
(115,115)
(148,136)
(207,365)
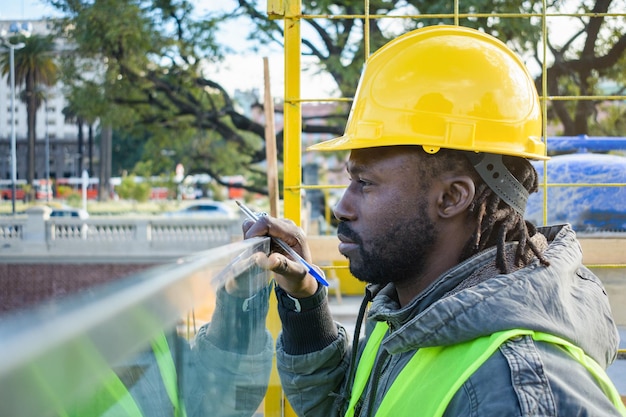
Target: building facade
(56,136)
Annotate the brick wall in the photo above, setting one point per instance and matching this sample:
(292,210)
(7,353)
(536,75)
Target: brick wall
(25,285)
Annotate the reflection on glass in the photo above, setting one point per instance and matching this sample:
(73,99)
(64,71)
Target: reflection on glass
(182,340)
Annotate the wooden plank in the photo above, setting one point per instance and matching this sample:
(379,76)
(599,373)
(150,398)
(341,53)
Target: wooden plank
(325,249)
(604,251)
(270,142)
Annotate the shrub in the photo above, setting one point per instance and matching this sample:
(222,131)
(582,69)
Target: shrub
(129,189)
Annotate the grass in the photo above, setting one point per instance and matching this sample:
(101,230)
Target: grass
(113,208)
(121,207)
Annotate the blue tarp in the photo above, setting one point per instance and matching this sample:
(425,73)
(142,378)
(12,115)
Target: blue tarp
(583,143)
(587,208)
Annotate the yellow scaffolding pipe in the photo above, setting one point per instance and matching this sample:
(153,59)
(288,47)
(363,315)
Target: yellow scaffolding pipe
(276,404)
(293,113)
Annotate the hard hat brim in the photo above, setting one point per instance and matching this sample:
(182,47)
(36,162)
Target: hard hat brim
(340,143)
(346,143)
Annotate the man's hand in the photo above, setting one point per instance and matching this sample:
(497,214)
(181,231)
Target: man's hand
(247,278)
(291,275)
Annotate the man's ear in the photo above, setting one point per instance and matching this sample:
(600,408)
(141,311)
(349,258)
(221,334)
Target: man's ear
(457,193)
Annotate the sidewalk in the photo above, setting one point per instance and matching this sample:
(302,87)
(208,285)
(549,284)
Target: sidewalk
(346,313)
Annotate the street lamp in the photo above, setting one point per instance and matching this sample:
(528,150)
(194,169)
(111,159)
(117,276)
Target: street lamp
(14,30)
(48,187)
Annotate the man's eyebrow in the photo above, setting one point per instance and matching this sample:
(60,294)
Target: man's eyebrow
(354,168)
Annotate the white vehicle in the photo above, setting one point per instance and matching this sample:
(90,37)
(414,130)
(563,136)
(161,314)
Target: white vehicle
(69,212)
(205,209)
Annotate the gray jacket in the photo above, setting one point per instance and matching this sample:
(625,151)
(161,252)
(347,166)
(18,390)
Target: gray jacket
(523,378)
(225,373)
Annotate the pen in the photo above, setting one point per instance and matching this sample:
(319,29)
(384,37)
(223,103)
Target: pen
(318,274)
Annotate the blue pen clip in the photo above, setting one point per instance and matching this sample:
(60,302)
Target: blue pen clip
(317,273)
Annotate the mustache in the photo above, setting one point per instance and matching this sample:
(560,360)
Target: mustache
(344,229)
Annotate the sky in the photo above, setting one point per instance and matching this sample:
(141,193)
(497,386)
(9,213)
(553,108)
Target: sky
(243,70)
(24,9)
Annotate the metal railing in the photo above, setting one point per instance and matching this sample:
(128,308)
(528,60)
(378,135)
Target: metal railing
(37,236)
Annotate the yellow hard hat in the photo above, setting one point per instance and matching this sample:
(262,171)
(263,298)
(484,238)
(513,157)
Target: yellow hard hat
(445,87)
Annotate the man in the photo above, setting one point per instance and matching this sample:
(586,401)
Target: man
(478,313)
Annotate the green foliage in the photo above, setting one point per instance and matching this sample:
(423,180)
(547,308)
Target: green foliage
(611,121)
(141,193)
(149,59)
(127,150)
(34,63)
(152,86)
(130,189)
(144,169)
(125,189)
(64,191)
(74,199)
(581,50)
(34,67)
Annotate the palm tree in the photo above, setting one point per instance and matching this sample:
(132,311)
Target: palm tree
(71,114)
(35,67)
(85,104)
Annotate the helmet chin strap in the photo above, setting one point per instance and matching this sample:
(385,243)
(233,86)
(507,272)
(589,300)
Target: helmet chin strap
(492,170)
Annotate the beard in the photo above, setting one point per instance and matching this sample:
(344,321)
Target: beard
(396,254)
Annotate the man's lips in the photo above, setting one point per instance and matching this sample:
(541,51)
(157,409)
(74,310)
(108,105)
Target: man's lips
(346,245)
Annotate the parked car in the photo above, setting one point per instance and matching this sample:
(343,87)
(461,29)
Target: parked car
(205,209)
(69,212)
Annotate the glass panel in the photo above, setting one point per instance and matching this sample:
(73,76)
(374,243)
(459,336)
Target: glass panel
(184,339)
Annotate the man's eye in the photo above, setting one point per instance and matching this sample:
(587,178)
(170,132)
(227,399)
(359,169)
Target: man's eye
(360,181)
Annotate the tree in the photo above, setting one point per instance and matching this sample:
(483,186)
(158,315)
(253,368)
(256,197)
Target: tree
(70,112)
(132,190)
(592,54)
(85,105)
(35,68)
(150,59)
(150,67)
(590,50)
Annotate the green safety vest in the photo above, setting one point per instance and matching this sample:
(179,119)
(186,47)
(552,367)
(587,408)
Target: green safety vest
(112,390)
(451,366)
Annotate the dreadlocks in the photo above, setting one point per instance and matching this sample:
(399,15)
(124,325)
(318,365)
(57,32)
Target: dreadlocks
(496,222)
